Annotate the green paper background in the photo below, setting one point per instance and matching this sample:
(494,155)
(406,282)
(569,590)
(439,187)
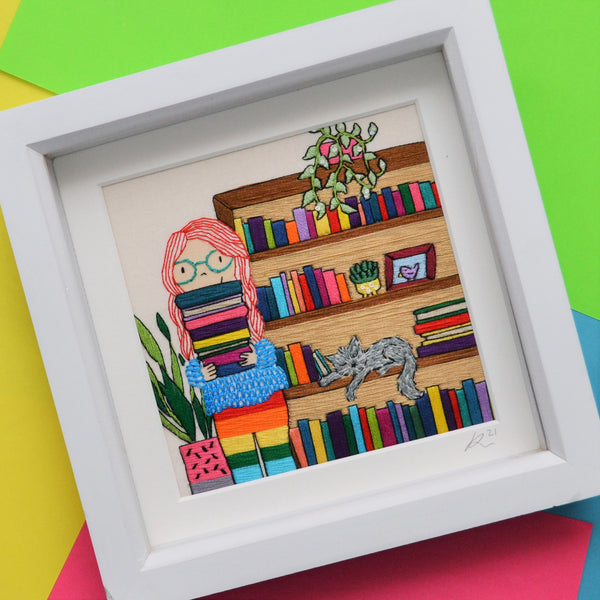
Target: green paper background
(552,49)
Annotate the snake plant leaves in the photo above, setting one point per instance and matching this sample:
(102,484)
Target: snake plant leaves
(179,404)
(163,327)
(150,344)
(157,391)
(200,415)
(176,371)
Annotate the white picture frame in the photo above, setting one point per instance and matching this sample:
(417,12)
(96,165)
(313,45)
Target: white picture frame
(74,144)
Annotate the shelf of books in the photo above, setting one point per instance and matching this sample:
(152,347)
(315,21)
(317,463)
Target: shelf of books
(314,307)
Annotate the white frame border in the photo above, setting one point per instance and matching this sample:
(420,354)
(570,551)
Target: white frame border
(464,31)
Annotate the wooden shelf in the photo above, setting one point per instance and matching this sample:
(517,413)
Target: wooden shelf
(309,389)
(370,301)
(343,236)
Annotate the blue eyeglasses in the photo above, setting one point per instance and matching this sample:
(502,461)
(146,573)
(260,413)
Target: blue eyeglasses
(187,270)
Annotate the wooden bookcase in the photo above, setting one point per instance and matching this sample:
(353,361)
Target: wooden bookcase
(389,313)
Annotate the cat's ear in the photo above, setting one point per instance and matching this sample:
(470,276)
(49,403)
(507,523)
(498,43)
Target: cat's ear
(354,346)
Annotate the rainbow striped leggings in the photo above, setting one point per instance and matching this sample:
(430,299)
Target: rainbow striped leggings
(265,425)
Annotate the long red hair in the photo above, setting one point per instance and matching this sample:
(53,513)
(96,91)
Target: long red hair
(228,243)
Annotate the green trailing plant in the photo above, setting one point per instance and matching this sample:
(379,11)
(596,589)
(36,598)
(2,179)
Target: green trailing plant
(338,157)
(364,271)
(179,407)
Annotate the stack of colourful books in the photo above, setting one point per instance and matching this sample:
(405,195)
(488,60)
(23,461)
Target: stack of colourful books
(360,430)
(259,234)
(301,292)
(444,327)
(301,364)
(216,319)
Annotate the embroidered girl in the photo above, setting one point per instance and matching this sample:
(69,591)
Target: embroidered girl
(213,303)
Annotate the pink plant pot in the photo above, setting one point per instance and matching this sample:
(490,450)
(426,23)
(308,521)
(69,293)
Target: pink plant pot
(206,465)
(325,146)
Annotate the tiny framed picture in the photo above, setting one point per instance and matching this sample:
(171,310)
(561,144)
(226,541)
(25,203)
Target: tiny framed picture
(409,265)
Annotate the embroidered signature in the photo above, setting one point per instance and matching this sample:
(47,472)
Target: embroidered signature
(485,439)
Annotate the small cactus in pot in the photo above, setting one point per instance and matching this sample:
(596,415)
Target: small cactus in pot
(365,276)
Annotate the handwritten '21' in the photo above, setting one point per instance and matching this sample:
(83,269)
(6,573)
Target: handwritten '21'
(483,439)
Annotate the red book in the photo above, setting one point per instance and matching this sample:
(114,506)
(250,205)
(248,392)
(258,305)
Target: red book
(383,208)
(436,324)
(455,408)
(308,299)
(299,364)
(435,193)
(334,220)
(364,425)
(332,286)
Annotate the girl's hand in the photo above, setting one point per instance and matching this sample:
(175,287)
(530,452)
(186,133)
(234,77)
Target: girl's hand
(209,371)
(248,358)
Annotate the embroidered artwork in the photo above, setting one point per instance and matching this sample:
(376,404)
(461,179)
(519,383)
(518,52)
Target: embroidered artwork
(317,310)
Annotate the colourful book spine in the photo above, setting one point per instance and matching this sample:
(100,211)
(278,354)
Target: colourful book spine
(343,287)
(426,413)
(368,213)
(448,411)
(290,367)
(472,401)
(361,214)
(301,224)
(375,210)
(415,192)
(459,343)
(323,362)
(280,361)
(436,194)
(383,208)
(464,408)
(427,195)
(269,234)
(248,238)
(322,287)
(310,221)
(306,293)
(321,225)
(437,409)
(299,364)
(484,401)
(334,220)
(441,308)
(307,441)
(338,434)
(390,205)
(286,292)
(344,219)
(461,318)
(354,217)
(398,203)
(277,288)
(296,439)
(374,428)
(313,374)
(385,427)
(364,425)
(407,201)
(402,420)
(291,229)
(238,227)
(327,440)
(280,233)
(293,296)
(410,426)
(312,284)
(257,231)
(318,442)
(298,288)
(263,303)
(395,421)
(417,422)
(355,418)
(352,447)
(333,290)
(272,303)
(455,408)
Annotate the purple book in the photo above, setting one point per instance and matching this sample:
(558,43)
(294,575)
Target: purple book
(257,231)
(398,202)
(286,291)
(447,346)
(301,223)
(355,216)
(322,287)
(484,401)
(310,221)
(402,420)
(448,412)
(208,331)
(310,363)
(337,431)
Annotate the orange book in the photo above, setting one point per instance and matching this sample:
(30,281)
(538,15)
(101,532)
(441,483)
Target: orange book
(344,293)
(292,232)
(298,288)
(299,363)
(298,447)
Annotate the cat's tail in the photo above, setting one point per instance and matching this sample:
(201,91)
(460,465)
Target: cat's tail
(403,354)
